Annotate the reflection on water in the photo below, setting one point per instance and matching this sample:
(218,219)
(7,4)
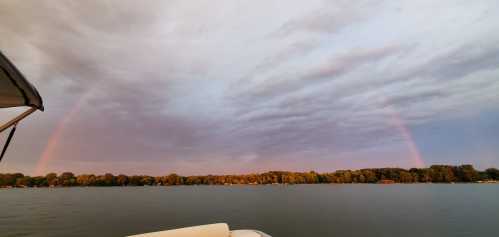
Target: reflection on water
(282,211)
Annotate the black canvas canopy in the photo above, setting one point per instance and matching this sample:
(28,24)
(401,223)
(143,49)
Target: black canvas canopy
(15,91)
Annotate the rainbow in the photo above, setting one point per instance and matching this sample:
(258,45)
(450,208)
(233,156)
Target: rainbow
(49,153)
(406,133)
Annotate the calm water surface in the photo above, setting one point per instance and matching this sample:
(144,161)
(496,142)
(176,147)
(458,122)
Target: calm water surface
(282,211)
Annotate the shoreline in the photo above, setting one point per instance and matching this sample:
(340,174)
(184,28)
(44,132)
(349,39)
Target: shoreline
(433,174)
(225,185)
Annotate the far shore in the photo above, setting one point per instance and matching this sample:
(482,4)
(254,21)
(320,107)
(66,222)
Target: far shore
(433,174)
(278,184)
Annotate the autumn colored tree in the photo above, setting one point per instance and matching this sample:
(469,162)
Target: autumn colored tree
(121,180)
(52,179)
(85,180)
(436,173)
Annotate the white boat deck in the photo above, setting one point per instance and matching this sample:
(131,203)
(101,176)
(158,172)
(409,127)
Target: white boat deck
(213,230)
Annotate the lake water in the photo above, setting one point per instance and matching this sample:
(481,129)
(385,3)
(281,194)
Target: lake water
(281,211)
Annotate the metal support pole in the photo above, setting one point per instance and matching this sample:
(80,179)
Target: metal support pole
(17,119)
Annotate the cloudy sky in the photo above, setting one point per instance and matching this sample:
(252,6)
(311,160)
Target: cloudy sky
(197,87)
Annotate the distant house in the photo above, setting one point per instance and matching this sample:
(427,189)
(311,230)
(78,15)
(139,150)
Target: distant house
(386,181)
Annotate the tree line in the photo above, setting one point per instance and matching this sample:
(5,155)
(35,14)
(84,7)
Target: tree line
(433,174)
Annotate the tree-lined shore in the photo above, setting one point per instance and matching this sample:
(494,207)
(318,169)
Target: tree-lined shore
(433,174)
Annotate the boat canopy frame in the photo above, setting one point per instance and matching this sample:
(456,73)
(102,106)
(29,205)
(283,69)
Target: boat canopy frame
(17,119)
(16,91)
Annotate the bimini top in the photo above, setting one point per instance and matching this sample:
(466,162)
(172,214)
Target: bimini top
(15,90)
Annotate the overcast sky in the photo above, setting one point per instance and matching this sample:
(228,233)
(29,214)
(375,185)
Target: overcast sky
(198,87)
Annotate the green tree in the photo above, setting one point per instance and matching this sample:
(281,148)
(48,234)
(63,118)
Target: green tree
(67,179)
(492,173)
(466,173)
(24,181)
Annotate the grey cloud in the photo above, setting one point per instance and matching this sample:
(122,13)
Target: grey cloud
(332,17)
(388,91)
(463,61)
(326,72)
(181,83)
